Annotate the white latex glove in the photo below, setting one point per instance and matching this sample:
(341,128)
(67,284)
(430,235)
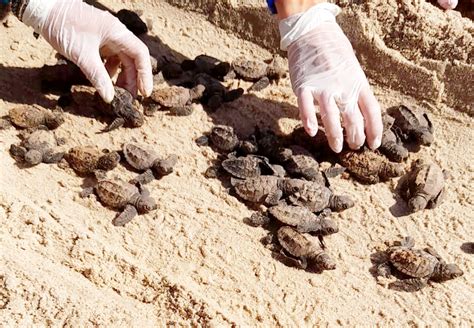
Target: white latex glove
(448,4)
(324,68)
(85,35)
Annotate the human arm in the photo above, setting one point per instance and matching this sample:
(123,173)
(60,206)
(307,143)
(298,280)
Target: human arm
(323,68)
(87,36)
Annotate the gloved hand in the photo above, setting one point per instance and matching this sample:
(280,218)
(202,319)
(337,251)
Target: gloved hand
(85,35)
(323,67)
(448,4)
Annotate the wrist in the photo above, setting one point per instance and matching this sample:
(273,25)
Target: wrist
(287,8)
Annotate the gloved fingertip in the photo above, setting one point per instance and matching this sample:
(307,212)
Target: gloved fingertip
(336,144)
(107,94)
(375,143)
(311,127)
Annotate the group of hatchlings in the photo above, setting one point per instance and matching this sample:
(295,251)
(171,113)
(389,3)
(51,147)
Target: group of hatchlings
(279,175)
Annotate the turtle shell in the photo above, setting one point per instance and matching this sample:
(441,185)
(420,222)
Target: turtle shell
(249,69)
(83,159)
(414,263)
(26,116)
(138,156)
(172,96)
(115,194)
(294,242)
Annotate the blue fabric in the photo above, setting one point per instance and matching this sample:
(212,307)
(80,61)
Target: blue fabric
(4,2)
(271,6)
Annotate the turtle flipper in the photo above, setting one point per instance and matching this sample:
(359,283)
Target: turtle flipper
(117,123)
(409,285)
(290,261)
(143,178)
(50,157)
(433,203)
(384,270)
(86,192)
(126,216)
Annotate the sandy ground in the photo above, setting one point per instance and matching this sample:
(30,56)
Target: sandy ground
(193,262)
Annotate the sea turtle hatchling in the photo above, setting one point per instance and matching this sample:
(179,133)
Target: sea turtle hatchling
(296,245)
(418,266)
(224,138)
(37,147)
(142,158)
(303,220)
(391,145)
(423,186)
(369,166)
(300,163)
(266,189)
(316,197)
(411,126)
(89,159)
(123,196)
(177,99)
(250,166)
(258,71)
(32,117)
(123,108)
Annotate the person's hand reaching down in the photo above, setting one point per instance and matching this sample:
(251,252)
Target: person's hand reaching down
(86,35)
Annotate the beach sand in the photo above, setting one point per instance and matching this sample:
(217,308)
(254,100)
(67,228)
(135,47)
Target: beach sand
(193,262)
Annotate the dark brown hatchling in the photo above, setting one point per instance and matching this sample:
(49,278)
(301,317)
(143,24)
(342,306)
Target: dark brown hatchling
(132,21)
(296,245)
(266,189)
(391,145)
(142,158)
(60,77)
(209,65)
(423,186)
(300,163)
(369,166)
(122,196)
(123,108)
(316,197)
(90,160)
(412,127)
(177,99)
(37,147)
(215,93)
(224,138)
(417,266)
(32,117)
(249,166)
(303,220)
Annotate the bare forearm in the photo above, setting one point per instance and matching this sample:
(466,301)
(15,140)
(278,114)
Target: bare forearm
(287,8)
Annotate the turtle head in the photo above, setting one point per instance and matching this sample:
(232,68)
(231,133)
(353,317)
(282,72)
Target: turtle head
(54,119)
(146,204)
(424,136)
(449,271)
(417,203)
(33,157)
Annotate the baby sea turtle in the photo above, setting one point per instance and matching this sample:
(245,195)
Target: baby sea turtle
(37,147)
(249,166)
(391,146)
(60,77)
(266,189)
(423,186)
(32,117)
(418,266)
(208,65)
(224,138)
(300,163)
(127,198)
(132,21)
(412,127)
(177,99)
(257,219)
(317,197)
(89,159)
(215,93)
(123,108)
(142,158)
(296,245)
(303,219)
(369,166)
